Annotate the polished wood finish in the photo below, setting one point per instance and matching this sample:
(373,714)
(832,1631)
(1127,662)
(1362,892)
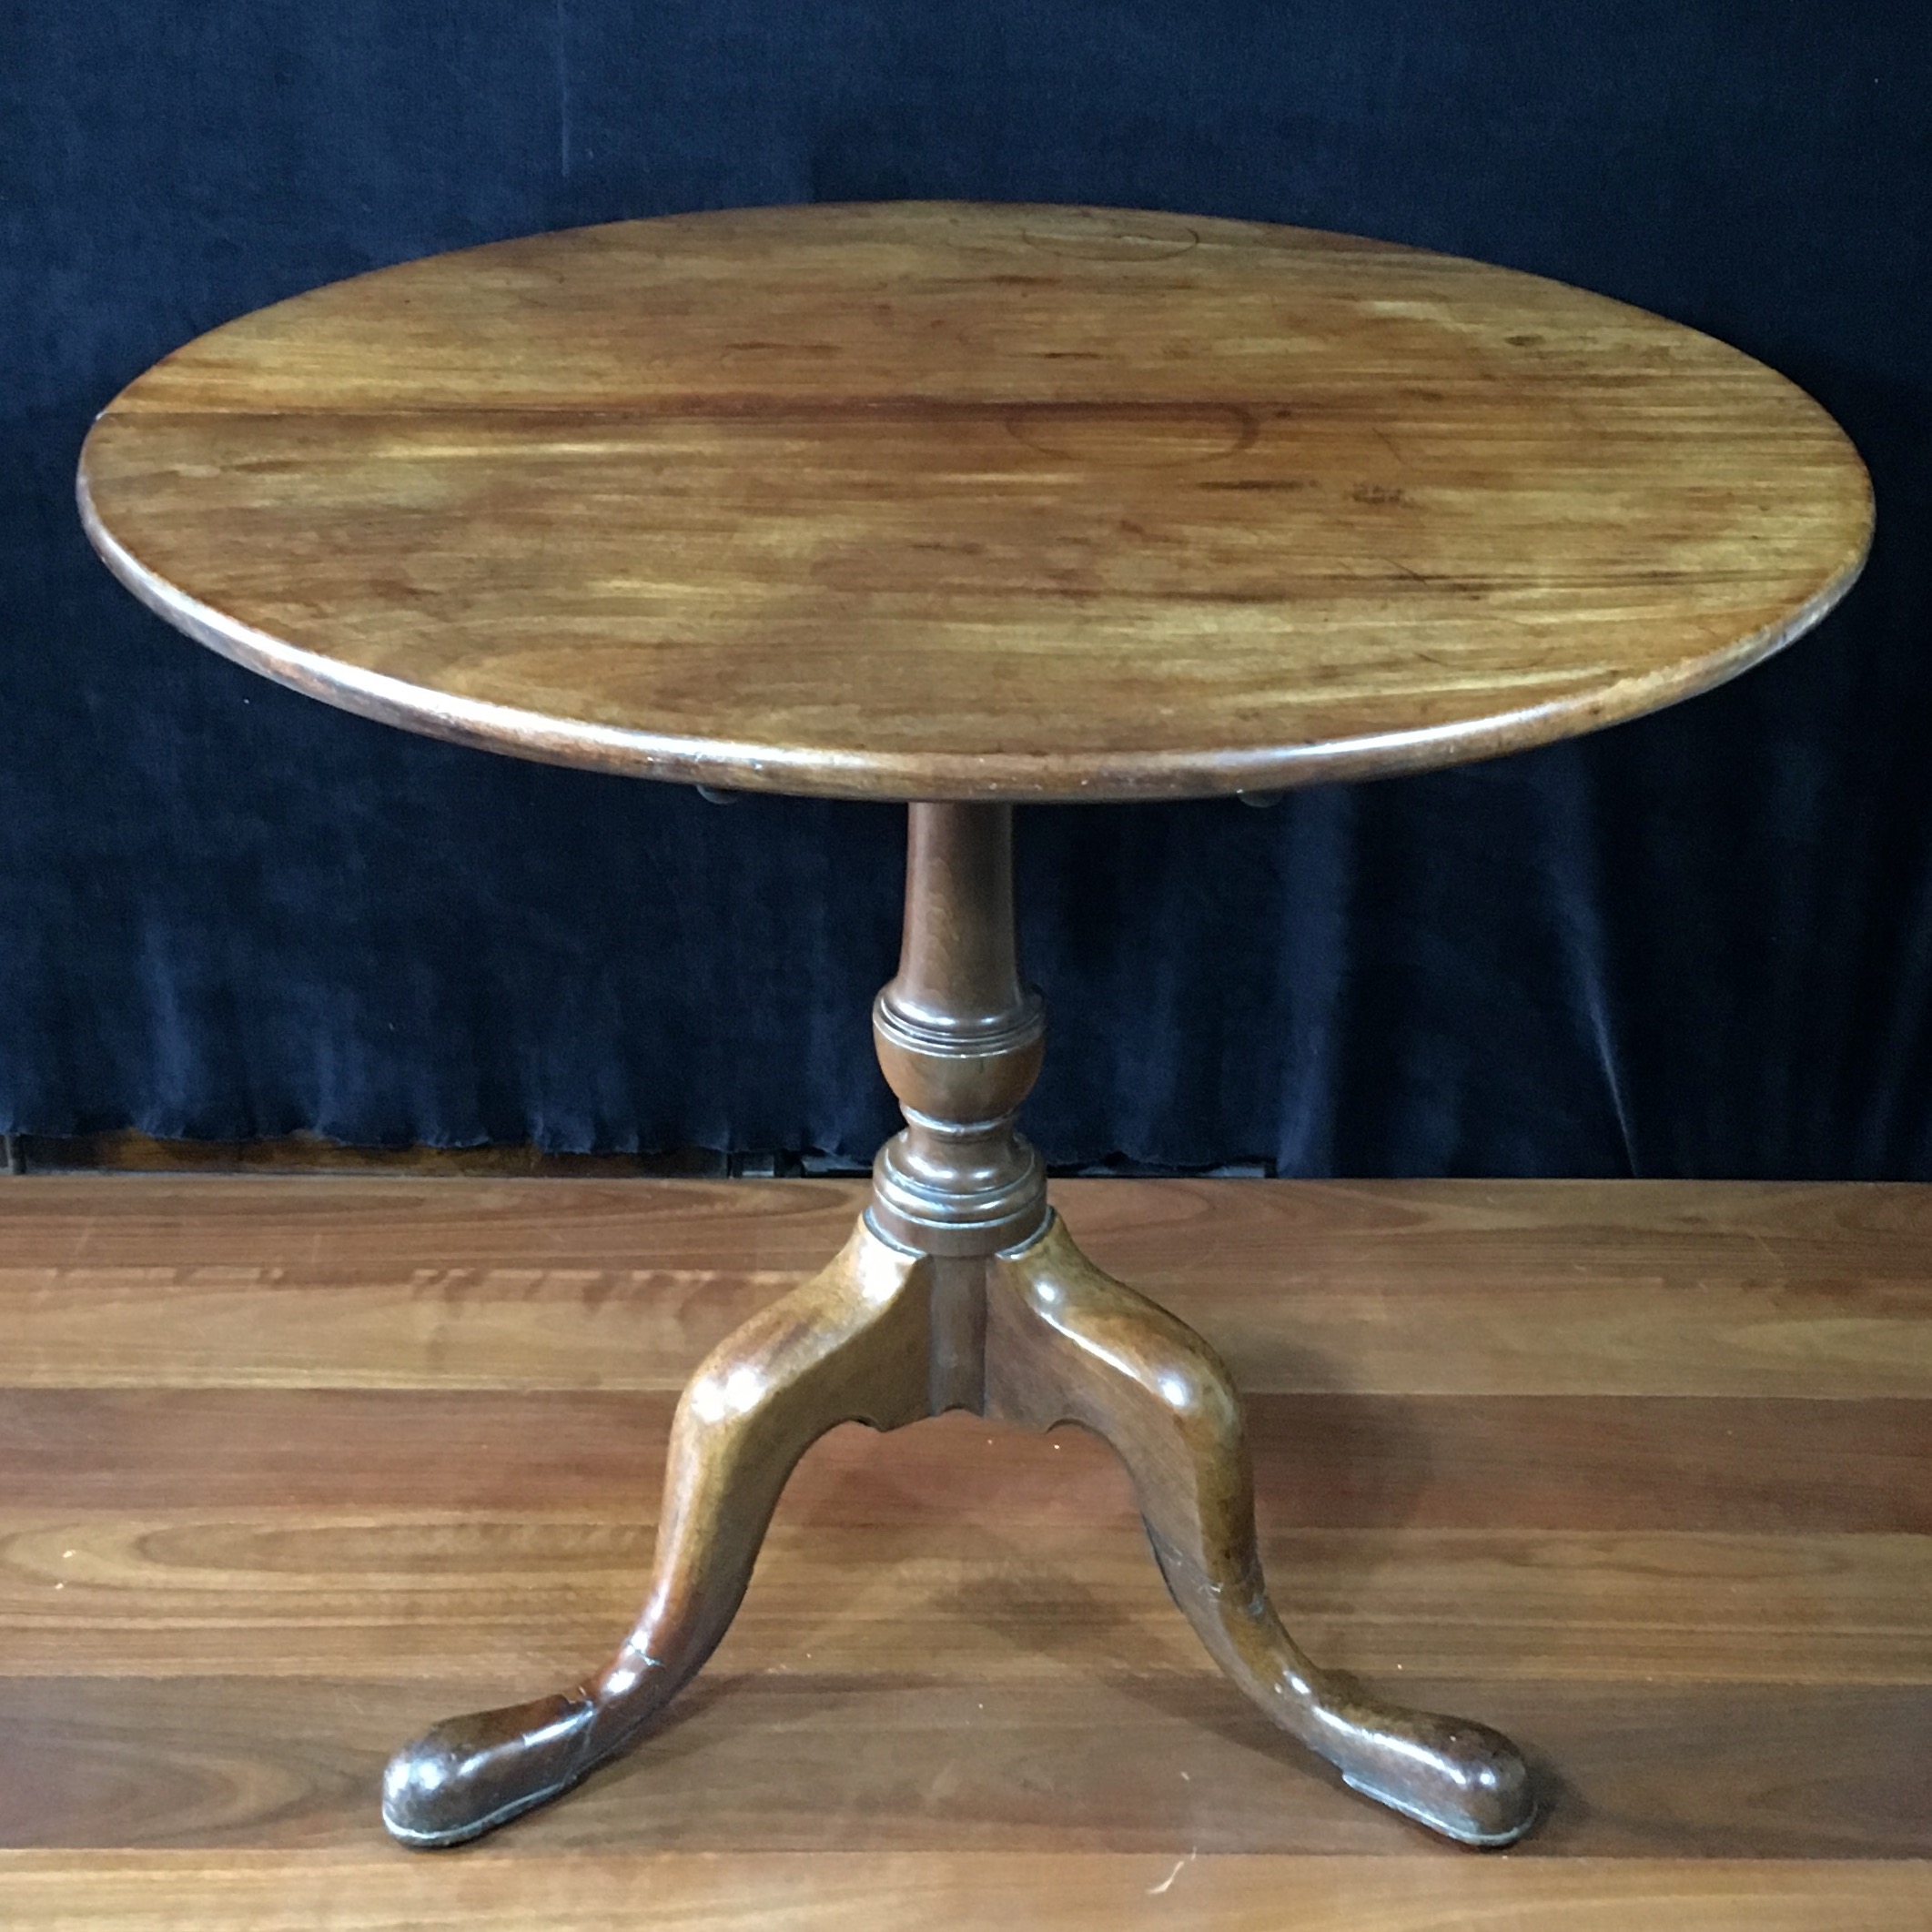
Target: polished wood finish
(959,1040)
(1197,506)
(389,1444)
(1065,1343)
(851,1344)
(1049,1340)
(958,1291)
(944,501)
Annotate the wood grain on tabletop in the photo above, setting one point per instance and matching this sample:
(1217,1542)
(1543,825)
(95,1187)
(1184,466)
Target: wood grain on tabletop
(232,1580)
(952,500)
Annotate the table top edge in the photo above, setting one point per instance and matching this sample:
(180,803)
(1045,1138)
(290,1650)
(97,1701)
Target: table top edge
(1062,777)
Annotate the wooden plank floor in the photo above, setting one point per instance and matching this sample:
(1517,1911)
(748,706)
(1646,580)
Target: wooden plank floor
(1642,1473)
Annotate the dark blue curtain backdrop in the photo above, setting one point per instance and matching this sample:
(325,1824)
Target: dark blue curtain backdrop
(1699,944)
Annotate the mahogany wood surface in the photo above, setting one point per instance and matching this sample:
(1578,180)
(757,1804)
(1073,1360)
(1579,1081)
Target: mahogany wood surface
(288,1467)
(1066,1343)
(958,1291)
(974,502)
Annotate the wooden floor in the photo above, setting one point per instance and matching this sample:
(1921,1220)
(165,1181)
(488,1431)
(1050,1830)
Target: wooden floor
(1642,1473)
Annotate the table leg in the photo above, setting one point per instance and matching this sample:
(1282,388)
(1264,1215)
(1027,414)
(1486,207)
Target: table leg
(1066,1343)
(958,1289)
(852,1345)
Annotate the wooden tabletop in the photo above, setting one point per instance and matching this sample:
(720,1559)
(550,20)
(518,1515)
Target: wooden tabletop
(935,500)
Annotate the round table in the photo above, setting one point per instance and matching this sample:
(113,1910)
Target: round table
(966,505)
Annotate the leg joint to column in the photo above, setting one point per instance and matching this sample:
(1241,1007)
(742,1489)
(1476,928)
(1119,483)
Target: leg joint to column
(956,1206)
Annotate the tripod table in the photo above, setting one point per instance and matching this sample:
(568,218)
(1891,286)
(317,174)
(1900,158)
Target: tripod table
(964,506)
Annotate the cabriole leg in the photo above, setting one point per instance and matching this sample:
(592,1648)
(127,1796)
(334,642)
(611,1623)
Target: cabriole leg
(851,1345)
(1066,1343)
